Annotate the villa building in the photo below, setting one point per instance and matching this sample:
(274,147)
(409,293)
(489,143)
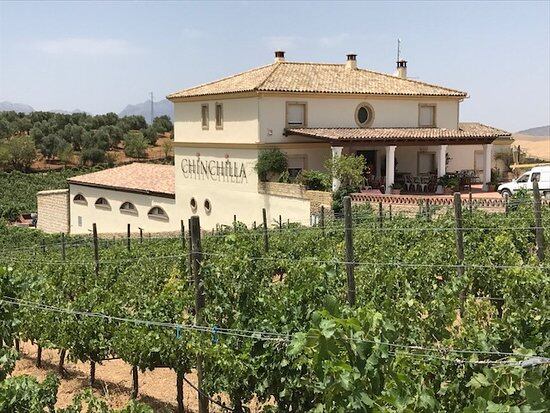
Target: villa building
(310,111)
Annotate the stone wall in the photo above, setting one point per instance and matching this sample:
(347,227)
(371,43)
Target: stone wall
(316,198)
(53,211)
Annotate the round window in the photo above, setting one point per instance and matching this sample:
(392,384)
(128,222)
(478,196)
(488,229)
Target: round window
(364,115)
(193,204)
(207,205)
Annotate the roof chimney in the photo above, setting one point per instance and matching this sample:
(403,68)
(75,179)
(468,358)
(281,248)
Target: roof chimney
(401,69)
(279,56)
(351,63)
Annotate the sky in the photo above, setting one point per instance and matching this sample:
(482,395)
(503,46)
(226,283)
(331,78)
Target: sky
(101,56)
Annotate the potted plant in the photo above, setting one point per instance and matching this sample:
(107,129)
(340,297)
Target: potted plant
(449,183)
(396,188)
(271,164)
(495,178)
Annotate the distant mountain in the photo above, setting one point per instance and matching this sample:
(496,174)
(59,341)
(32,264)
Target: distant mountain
(162,107)
(17,107)
(540,131)
(67,112)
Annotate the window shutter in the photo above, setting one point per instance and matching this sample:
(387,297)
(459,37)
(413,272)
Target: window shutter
(426,116)
(296,114)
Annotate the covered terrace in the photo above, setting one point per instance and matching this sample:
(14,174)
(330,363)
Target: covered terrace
(414,157)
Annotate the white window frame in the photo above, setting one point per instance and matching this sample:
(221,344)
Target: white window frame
(219,114)
(82,201)
(205,118)
(162,216)
(102,205)
(304,121)
(433,106)
(132,210)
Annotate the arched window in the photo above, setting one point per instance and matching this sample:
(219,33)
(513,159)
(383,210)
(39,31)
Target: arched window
(102,203)
(79,199)
(158,213)
(128,207)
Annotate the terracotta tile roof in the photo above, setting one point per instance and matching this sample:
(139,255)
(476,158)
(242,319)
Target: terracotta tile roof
(316,78)
(136,177)
(466,132)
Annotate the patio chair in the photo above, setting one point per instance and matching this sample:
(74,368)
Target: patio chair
(416,183)
(424,180)
(408,182)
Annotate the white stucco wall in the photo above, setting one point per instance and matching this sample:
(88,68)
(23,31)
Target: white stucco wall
(112,220)
(229,196)
(262,118)
(240,121)
(340,112)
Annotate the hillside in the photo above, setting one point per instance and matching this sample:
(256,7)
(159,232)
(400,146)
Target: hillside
(541,131)
(535,146)
(17,107)
(162,107)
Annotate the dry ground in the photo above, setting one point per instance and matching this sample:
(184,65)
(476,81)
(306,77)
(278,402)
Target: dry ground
(538,147)
(157,388)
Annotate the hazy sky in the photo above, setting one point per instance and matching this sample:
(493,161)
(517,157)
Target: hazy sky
(101,56)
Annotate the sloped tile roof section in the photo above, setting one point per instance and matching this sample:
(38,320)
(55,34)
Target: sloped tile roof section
(152,179)
(467,133)
(317,78)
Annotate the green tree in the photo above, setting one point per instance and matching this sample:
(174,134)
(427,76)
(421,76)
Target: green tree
(4,129)
(21,152)
(133,122)
(163,124)
(348,169)
(92,156)
(51,145)
(151,134)
(37,134)
(135,144)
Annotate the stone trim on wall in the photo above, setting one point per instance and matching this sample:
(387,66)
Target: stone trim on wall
(316,198)
(53,211)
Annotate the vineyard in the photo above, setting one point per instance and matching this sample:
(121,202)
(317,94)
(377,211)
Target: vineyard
(444,314)
(21,197)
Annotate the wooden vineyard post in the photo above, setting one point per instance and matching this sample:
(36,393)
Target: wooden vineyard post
(470,200)
(459,237)
(348,223)
(254,225)
(322,219)
(539,231)
(63,252)
(43,246)
(380,214)
(135,382)
(280,223)
(428,211)
(266,236)
(92,373)
(235,223)
(195,229)
(96,249)
(179,386)
(390,211)
(39,356)
(140,235)
(128,237)
(60,368)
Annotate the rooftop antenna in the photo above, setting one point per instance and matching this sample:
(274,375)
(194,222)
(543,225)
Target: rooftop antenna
(398,48)
(152,109)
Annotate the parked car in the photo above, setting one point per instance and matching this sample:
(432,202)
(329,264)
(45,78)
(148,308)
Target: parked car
(525,181)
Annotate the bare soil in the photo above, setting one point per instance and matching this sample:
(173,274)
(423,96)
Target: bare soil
(538,147)
(157,388)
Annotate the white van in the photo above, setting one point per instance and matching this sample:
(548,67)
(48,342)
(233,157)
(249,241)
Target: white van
(525,181)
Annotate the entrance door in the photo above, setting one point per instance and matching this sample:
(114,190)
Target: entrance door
(370,162)
(426,162)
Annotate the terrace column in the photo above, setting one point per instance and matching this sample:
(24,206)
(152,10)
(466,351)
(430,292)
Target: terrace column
(336,153)
(390,167)
(487,157)
(441,160)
